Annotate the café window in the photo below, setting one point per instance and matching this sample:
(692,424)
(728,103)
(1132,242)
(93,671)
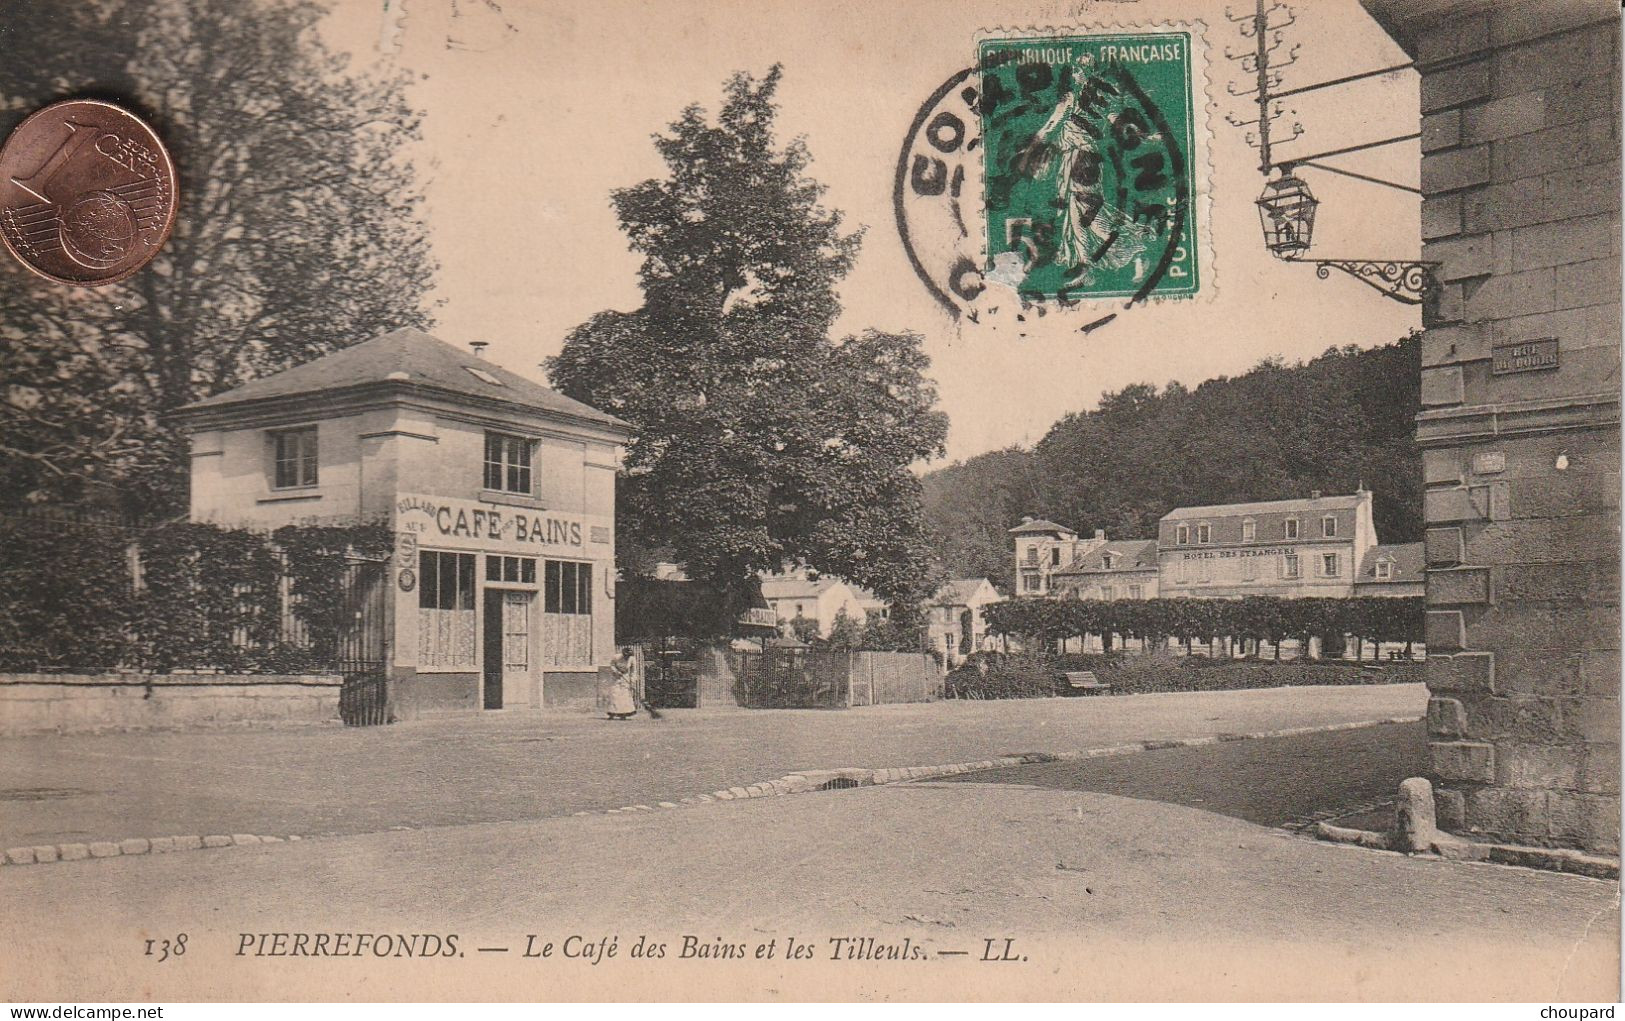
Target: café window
(1289,565)
(1328,527)
(1328,565)
(1055,556)
(1106,561)
(1108,592)
(1291,528)
(1031,582)
(567,614)
(293,458)
(1136,591)
(504,568)
(446,626)
(1204,533)
(1385,570)
(1182,535)
(1249,530)
(507,463)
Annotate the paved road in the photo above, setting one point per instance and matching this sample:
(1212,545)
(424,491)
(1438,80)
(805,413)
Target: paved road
(527,765)
(1105,897)
(1271,782)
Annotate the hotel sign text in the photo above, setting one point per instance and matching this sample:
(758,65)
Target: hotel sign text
(1226,554)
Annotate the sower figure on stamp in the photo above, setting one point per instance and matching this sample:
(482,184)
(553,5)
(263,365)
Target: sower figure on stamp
(1092,231)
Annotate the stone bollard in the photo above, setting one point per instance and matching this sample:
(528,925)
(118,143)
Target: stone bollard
(1416,828)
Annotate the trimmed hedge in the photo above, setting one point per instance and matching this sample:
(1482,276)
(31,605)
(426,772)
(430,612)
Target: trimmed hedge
(1264,618)
(990,675)
(92,598)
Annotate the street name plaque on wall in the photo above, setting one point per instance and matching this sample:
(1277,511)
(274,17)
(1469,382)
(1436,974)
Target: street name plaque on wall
(1524,356)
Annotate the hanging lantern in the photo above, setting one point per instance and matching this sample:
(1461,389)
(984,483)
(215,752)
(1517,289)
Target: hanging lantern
(1287,212)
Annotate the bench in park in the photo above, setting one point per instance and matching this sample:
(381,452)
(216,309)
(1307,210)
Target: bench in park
(1085,682)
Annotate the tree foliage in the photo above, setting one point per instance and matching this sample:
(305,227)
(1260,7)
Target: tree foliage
(1274,433)
(970,507)
(759,440)
(298,232)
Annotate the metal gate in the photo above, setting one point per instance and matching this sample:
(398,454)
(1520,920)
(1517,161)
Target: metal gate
(362,655)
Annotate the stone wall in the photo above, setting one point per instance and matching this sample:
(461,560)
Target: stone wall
(1521,183)
(85,703)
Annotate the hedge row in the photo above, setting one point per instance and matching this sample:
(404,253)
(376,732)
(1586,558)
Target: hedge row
(1263,618)
(1000,675)
(177,597)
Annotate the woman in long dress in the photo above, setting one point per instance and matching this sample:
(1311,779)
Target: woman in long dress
(622,700)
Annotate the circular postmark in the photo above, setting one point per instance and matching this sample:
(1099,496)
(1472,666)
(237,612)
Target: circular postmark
(87,193)
(1059,166)
(935,194)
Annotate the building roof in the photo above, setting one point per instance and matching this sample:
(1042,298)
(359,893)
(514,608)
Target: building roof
(1322,503)
(960,591)
(796,586)
(1039,525)
(1126,554)
(408,357)
(1409,560)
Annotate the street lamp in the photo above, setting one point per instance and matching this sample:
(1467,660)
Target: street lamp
(1286,209)
(1287,212)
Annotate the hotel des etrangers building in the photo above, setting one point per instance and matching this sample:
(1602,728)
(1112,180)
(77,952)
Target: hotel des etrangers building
(1322,546)
(500,492)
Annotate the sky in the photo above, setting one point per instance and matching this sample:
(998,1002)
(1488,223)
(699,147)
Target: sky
(535,110)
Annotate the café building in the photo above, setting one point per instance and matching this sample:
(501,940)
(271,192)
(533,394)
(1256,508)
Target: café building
(500,492)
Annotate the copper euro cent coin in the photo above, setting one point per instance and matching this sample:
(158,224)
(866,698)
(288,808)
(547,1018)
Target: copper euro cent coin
(87,193)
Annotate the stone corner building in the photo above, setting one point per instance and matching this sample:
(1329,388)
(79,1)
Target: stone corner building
(1520,107)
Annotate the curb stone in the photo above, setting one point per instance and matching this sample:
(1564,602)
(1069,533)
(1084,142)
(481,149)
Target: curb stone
(800,782)
(1447,848)
(45,854)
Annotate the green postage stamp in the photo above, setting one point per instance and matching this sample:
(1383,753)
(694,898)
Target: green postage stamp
(1090,164)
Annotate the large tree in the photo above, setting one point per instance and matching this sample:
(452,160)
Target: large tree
(298,232)
(759,440)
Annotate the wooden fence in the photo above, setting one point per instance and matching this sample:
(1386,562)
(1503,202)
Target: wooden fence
(830,679)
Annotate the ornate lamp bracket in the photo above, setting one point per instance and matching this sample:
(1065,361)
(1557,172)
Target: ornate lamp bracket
(1411,282)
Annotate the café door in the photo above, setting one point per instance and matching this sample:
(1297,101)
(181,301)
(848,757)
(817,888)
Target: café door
(509,649)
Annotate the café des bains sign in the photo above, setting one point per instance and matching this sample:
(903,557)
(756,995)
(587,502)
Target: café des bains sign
(471,524)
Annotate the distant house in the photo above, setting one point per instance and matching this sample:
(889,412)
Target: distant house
(1044,548)
(1116,569)
(820,600)
(955,605)
(1397,570)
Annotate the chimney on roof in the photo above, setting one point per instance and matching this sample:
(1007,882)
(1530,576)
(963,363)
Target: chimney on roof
(479,347)
(1100,535)
(1314,494)
(1026,519)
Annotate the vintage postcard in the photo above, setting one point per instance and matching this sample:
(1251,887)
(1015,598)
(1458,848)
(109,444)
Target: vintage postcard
(1016,500)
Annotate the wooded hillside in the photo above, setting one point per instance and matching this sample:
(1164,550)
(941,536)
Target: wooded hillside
(1274,433)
